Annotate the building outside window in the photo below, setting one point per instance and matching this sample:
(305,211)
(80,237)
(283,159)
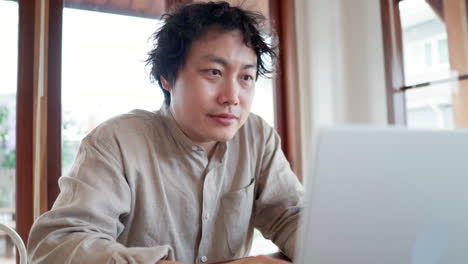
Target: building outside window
(425,53)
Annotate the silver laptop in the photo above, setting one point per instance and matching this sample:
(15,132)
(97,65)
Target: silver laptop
(387,196)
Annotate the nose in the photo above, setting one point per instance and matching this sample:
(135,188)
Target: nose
(229,93)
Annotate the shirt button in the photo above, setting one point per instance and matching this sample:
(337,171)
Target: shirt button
(207,216)
(203,259)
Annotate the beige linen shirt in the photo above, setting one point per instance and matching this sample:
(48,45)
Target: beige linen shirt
(140,191)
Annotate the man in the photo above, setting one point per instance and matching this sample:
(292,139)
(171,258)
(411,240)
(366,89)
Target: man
(189,182)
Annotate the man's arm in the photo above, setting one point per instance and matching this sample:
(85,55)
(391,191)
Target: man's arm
(278,204)
(84,223)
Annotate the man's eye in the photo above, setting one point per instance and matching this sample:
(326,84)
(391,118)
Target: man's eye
(214,72)
(247,78)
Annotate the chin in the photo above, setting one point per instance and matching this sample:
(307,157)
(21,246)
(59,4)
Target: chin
(223,137)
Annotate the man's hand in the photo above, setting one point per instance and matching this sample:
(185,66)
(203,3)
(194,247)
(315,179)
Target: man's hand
(257,260)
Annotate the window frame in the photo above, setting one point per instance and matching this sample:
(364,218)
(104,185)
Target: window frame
(393,57)
(24,120)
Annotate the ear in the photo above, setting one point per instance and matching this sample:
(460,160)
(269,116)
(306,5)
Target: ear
(166,85)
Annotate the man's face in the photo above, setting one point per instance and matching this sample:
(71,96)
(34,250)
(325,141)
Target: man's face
(213,92)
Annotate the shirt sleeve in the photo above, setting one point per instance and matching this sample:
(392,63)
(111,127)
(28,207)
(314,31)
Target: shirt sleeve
(279,197)
(85,221)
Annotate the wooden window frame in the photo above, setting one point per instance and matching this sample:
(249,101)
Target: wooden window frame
(393,57)
(24,119)
(27,70)
(286,83)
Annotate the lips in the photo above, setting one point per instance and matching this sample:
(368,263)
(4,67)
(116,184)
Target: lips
(224,119)
(225,115)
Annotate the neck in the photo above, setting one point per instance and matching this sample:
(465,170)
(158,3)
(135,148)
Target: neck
(209,148)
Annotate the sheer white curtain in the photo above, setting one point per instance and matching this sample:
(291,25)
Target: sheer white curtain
(341,66)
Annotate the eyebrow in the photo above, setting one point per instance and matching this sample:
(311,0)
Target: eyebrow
(223,62)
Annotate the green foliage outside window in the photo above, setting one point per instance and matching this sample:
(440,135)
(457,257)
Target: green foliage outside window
(7,161)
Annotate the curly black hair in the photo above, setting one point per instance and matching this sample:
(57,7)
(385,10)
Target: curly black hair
(191,22)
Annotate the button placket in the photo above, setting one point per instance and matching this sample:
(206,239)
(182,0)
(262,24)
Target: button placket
(207,206)
(207,199)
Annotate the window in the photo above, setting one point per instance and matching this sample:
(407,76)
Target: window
(428,54)
(428,107)
(433,67)
(443,51)
(103,62)
(8,71)
(262,104)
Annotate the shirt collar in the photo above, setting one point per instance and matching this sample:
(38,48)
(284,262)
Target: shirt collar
(186,142)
